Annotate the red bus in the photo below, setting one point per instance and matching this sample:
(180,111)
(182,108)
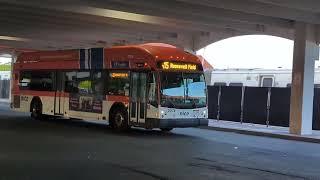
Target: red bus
(149,85)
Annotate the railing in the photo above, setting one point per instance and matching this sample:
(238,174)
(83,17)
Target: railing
(258,105)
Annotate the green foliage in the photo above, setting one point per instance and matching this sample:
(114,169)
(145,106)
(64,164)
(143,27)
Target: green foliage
(5,67)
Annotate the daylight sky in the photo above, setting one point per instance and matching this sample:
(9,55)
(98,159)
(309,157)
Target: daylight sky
(4,60)
(254,51)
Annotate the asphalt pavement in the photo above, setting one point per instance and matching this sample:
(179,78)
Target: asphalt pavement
(63,149)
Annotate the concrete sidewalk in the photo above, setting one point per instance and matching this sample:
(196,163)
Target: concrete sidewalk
(261,130)
(2,100)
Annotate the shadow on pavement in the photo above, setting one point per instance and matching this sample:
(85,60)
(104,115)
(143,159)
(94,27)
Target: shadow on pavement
(21,122)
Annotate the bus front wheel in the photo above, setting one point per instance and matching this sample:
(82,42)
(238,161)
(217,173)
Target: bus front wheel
(119,120)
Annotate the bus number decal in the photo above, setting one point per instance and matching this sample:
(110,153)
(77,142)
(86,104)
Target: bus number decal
(184,113)
(24,98)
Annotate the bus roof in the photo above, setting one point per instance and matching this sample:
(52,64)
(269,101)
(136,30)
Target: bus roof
(161,51)
(150,53)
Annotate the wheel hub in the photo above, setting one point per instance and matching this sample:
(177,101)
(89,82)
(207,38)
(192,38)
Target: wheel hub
(119,119)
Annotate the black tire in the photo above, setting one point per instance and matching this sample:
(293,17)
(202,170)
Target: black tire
(119,120)
(36,110)
(166,129)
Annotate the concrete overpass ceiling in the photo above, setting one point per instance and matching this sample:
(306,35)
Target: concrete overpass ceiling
(305,11)
(308,5)
(86,23)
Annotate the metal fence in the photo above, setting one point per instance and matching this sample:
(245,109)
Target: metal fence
(258,105)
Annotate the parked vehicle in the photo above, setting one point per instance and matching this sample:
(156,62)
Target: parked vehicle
(255,77)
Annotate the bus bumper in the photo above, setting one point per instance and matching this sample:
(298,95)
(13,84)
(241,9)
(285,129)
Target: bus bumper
(176,123)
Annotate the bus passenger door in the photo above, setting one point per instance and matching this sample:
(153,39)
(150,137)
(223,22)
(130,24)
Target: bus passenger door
(59,94)
(138,97)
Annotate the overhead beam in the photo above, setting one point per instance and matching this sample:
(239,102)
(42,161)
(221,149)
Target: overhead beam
(264,9)
(95,31)
(85,22)
(187,11)
(172,22)
(306,5)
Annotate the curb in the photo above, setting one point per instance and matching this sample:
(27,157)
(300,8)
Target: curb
(264,134)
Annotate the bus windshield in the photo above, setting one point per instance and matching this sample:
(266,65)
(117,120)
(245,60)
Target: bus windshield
(183,90)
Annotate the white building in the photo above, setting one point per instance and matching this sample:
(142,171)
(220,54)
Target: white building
(255,77)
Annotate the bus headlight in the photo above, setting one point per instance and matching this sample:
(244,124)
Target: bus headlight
(162,114)
(204,113)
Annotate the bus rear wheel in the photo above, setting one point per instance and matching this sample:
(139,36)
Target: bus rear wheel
(119,120)
(36,110)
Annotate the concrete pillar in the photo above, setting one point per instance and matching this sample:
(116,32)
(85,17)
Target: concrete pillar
(186,41)
(306,51)
(13,59)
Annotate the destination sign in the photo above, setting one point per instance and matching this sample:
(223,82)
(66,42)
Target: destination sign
(178,66)
(119,75)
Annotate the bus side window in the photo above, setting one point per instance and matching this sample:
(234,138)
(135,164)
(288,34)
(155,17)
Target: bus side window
(25,79)
(84,82)
(70,82)
(98,83)
(37,80)
(152,89)
(118,83)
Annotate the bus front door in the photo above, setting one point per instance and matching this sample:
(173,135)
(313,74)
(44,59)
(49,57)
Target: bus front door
(138,97)
(59,95)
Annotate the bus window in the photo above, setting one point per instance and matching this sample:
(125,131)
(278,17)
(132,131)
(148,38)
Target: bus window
(37,80)
(183,90)
(220,84)
(70,82)
(236,84)
(84,82)
(98,83)
(152,89)
(118,83)
(267,82)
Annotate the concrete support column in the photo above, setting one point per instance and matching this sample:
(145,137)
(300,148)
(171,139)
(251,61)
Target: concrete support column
(306,51)
(13,59)
(186,41)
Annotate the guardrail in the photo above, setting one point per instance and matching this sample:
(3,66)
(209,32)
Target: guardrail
(258,105)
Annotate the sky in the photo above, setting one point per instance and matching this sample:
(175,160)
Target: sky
(252,51)
(4,60)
